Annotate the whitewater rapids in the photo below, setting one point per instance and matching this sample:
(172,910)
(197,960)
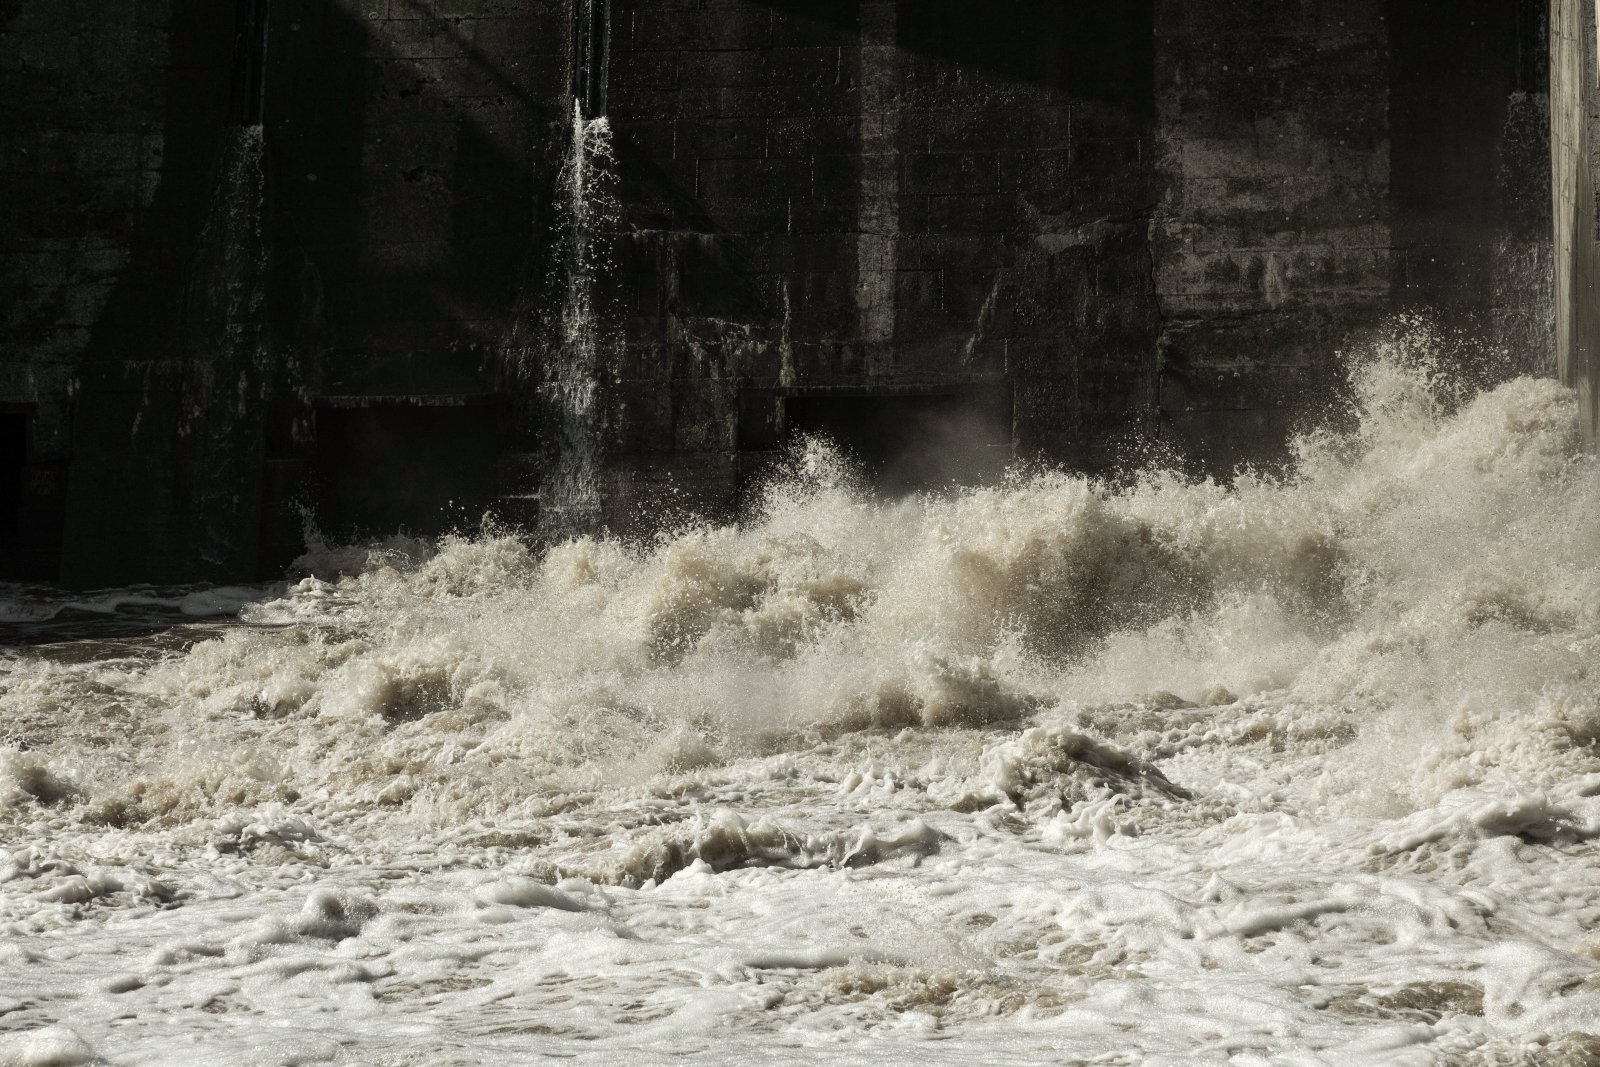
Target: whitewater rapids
(1302,770)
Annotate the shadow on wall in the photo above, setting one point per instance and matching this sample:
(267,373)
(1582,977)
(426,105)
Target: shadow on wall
(901,444)
(1087,49)
(13,467)
(416,214)
(1078,50)
(423,470)
(1470,173)
(958,272)
(911,444)
(401,194)
(134,482)
(410,184)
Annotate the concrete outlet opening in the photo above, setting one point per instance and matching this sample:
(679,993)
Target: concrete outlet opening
(384,467)
(13,463)
(911,443)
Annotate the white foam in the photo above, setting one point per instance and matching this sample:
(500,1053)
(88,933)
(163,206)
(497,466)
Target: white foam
(1296,770)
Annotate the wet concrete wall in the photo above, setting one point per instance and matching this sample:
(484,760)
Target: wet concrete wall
(1574,113)
(908,200)
(235,215)
(1469,117)
(1272,240)
(255,241)
(1326,166)
(83,147)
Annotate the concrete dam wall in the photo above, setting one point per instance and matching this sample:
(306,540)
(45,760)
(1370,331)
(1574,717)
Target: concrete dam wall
(279,257)
(1574,112)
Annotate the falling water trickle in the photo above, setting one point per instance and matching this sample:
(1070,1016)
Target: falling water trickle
(570,498)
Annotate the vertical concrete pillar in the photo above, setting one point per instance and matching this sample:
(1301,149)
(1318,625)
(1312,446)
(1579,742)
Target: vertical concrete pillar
(1574,110)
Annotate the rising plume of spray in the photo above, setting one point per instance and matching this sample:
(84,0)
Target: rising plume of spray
(569,497)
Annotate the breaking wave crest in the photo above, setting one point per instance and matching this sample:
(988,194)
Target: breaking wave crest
(1303,765)
(1419,594)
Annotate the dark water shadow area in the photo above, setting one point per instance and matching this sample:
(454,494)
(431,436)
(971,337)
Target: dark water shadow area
(105,624)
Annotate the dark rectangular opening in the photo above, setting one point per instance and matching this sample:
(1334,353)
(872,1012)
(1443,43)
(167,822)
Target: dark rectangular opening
(912,443)
(397,467)
(14,433)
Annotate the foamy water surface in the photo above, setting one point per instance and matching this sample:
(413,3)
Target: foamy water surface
(1298,771)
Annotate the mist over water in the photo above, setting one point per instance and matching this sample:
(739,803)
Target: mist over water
(1298,770)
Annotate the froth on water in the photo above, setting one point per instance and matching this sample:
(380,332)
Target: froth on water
(1164,729)
(1428,571)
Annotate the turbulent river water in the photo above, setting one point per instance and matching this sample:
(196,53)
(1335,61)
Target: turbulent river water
(1301,770)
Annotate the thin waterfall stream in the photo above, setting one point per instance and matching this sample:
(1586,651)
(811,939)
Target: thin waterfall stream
(570,499)
(759,531)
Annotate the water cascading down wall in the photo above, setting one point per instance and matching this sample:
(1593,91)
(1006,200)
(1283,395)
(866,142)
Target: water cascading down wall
(573,334)
(284,255)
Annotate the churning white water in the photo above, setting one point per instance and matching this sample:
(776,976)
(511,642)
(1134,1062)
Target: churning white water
(1300,771)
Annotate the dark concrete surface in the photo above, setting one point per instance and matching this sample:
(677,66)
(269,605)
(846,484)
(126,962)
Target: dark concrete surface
(244,241)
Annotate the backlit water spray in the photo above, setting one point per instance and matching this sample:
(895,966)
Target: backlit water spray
(1300,770)
(570,499)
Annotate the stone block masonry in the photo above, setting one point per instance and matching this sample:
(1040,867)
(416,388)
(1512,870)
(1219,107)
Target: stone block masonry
(1072,228)
(1272,239)
(910,199)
